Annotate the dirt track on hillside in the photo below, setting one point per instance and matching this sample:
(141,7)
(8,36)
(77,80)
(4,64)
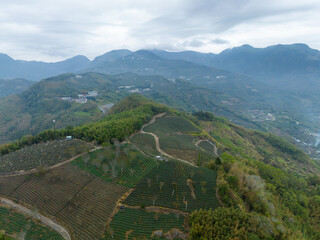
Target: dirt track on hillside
(156,138)
(44,220)
(35,170)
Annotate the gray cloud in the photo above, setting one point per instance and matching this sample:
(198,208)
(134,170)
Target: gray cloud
(53,30)
(219,41)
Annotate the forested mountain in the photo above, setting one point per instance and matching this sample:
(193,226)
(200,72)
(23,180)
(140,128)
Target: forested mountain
(294,68)
(272,65)
(57,99)
(13,86)
(247,100)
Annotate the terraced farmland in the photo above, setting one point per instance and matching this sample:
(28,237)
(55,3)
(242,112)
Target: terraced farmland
(170,124)
(145,142)
(16,224)
(42,154)
(141,224)
(79,199)
(127,167)
(176,185)
(207,146)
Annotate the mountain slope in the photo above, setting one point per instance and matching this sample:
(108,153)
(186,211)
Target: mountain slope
(265,185)
(294,68)
(35,109)
(13,86)
(33,70)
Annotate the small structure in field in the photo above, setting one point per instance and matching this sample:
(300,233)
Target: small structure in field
(68,138)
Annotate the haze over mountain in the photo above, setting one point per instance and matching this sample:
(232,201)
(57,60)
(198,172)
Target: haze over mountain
(293,67)
(13,86)
(33,70)
(251,90)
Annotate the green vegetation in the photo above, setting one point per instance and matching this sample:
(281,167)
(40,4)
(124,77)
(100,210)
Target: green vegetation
(250,144)
(207,146)
(116,126)
(15,224)
(176,185)
(75,197)
(145,142)
(266,187)
(220,224)
(42,155)
(169,124)
(142,224)
(125,166)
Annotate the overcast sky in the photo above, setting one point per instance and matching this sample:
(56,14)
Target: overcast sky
(58,29)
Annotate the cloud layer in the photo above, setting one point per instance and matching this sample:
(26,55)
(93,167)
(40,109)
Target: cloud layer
(54,30)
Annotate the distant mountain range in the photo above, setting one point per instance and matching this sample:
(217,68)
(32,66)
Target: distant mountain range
(33,70)
(282,80)
(293,67)
(268,65)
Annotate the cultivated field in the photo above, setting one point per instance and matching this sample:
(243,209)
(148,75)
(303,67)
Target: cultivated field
(176,185)
(18,225)
(141,224)
(79,199)
(126,166)
(171,124)
(145,142)
(208,147)
(42,154)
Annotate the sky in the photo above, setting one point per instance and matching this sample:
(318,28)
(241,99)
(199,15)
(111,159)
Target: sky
(58,29)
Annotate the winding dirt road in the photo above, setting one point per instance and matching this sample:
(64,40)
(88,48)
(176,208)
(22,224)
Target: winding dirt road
(215,150)
(156,138)
(35,170)
(37,216)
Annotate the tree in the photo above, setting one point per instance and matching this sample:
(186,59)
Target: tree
(86,159)
(220,224)
(2,235)
(161,185)
(154,199)
(149,182)
(156,217)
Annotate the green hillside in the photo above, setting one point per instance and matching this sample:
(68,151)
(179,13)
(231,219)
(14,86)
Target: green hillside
(34,110)
(13,86)
(197,175)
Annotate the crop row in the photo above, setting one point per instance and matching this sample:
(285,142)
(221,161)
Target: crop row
(127,167)
(140,224)
(88,212)
(176,185)
(42,154)
(170,124)
(145,142)
(78,198)
(16,224)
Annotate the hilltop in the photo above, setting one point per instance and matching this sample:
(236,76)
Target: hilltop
(57,98)
(158,167)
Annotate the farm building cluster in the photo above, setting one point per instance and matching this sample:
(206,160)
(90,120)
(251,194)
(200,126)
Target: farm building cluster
(82,98)
(132,89)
